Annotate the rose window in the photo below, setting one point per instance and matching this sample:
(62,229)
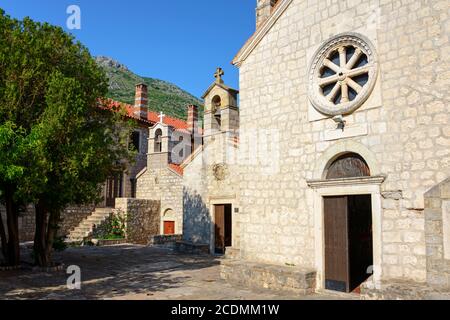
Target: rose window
(342,75)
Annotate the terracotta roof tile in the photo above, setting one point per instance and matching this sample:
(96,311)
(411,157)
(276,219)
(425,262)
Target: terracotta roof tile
(152,117)
(176,168)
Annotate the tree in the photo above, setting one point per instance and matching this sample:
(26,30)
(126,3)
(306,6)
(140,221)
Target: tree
(59,145)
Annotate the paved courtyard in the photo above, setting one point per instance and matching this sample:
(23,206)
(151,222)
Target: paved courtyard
(134,273)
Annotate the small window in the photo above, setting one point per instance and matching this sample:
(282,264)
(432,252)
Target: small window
(136,141)
(216,105)
(158,141)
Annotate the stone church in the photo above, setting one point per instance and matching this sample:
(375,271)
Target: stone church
(333,171)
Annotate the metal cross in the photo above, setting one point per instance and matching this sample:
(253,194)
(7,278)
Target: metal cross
(161,117)
(218,75)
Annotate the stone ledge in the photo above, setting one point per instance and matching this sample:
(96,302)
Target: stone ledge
(188,247)
(165,239)
(404,290)
(274,277)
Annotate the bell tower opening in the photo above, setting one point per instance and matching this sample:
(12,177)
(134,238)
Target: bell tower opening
(158,141)
(216,105)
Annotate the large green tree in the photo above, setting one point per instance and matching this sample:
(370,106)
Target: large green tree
(56,145)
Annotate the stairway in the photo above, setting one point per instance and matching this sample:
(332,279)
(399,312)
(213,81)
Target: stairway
(86,227)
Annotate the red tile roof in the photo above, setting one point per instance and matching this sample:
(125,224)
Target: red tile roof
(176,168)
(152,117)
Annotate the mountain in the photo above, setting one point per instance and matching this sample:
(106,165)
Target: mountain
(163,96)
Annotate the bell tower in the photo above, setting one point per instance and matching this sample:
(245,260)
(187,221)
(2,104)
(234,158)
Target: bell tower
(159,144)
(221,109)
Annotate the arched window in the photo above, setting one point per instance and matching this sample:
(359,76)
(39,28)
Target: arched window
(158,140)
(216,104)
(348,165)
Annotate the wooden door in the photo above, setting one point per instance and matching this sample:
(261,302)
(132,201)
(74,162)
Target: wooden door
(113,190)
(337,270)
(228,226)
(169,227)
(360,238)
(219,229)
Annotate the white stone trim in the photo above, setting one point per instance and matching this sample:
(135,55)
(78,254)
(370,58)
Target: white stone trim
(340,148)
(142,172)
(260,33)
(316,184)
(446,228)
(319,236)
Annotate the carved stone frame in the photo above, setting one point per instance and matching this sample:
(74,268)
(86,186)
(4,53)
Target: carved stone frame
(318,100)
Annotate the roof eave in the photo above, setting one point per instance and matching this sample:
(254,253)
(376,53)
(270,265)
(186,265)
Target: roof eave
(259,34)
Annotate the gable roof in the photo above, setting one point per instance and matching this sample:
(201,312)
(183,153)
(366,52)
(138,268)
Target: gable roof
(219,84)
(152,117)
(259,34)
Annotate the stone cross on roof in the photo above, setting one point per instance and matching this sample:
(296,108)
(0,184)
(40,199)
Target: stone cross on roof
(161,117)
(218,75)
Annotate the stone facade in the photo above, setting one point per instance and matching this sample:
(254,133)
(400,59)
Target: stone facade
(70,218)
(142,219)
(164,185)
(211,175)
(401,130)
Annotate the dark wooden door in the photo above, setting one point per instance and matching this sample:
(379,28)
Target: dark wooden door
(169,227)
(219,229)
(223,227)
(360,239)
(113,190)
(228,226)
(337,275)
(348,241)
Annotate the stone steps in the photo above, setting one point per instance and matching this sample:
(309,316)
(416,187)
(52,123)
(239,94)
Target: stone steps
(86,227)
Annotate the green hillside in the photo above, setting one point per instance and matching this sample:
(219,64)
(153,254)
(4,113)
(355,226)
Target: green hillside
(163,96)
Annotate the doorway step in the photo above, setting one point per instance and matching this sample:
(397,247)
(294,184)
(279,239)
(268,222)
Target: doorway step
(86,227)
(275,277)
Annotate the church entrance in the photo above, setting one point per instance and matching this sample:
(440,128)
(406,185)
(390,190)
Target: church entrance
(169,228)
(348,241)
(223,227)
(113,190)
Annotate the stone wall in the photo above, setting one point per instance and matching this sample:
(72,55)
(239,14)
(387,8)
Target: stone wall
(143,218)
(406,126)
(70,219)
(437,233)
(165,186)
(196,215)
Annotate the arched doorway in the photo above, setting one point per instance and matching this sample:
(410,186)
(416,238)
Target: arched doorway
(169,222)
(348,239)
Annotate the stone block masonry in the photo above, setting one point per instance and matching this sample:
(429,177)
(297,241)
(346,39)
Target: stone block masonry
(437,235)
(70,218)
(407,129)
(274,277)
(143,218)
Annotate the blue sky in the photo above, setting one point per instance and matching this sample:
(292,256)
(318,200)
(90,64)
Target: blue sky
(180,41)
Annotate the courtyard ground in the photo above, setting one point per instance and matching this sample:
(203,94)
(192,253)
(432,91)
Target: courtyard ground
(133,273)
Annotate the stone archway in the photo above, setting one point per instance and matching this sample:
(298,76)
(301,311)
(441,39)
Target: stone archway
(362,177)
(341,148)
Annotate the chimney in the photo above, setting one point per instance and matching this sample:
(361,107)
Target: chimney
(141,101)
(264,10)
(192,120)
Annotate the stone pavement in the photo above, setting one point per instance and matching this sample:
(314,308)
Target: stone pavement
(134,273)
